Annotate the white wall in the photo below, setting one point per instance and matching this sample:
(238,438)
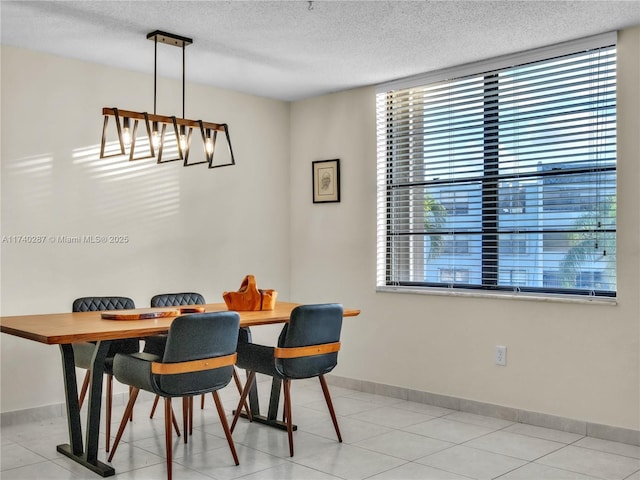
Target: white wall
(578,361)
(189,229)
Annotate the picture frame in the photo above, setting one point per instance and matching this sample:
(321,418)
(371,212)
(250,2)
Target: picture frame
(326,180)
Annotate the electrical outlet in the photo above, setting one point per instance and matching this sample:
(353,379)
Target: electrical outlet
(501,355)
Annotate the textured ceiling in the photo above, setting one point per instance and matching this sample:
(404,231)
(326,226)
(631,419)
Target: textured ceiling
(293,49)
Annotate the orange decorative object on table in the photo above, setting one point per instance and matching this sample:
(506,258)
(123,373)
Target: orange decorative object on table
(249,297)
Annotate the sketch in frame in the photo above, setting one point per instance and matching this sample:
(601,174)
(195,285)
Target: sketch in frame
(326,181)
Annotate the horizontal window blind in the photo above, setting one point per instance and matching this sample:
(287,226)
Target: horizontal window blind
(504,179)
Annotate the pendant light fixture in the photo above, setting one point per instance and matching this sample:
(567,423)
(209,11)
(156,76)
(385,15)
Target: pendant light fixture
(156,125)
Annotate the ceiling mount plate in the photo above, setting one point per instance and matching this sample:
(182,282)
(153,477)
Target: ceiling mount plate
(169,38)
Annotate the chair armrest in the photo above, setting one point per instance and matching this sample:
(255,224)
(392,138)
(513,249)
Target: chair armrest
(256,357)
(135,369)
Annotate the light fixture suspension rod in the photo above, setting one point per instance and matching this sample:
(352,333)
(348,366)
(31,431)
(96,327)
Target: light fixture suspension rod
(162,119)
(173,40)
(183,78)
(155,72)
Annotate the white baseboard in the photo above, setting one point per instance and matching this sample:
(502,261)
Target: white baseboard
(581,427)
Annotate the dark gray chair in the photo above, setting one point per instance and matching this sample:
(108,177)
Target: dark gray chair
(307,347)
(198,358)
(175,299)
(156,343)
(83,352)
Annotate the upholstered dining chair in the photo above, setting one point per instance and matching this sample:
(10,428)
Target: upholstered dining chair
(155,344)
(307,347)
(83,352)
(199,357)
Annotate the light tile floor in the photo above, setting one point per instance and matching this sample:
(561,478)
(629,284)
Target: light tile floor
(384,438)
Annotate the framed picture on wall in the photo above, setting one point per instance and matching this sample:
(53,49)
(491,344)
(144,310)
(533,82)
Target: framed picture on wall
(326,181)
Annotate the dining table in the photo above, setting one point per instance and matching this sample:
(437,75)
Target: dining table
(64,329)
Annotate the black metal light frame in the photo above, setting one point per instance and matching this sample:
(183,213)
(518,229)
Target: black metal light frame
(180,126)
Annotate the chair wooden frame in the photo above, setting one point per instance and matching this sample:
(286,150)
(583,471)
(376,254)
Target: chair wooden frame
(159,368)
(293,352)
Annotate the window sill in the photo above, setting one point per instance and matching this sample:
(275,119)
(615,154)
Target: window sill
(610,301)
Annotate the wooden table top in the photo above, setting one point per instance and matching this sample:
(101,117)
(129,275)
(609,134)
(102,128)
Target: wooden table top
(59,328)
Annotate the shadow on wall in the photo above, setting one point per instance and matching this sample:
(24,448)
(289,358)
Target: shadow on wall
(139,189)
(36,175)
(50,193)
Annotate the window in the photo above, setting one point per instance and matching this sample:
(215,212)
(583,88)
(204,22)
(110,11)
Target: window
(512,199)
(455,244)
(515,278)
(555,242)
(513,245)
(551,279)
(567,193)
(588,279)
(502,177)
(454,275)
(455,202)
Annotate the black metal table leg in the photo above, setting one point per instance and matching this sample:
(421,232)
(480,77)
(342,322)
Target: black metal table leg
(274,399)
(254,403)
(74,450)
(272,416)
(73,408)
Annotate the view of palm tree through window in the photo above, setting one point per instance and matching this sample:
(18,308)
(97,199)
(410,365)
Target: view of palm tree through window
(502,180)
